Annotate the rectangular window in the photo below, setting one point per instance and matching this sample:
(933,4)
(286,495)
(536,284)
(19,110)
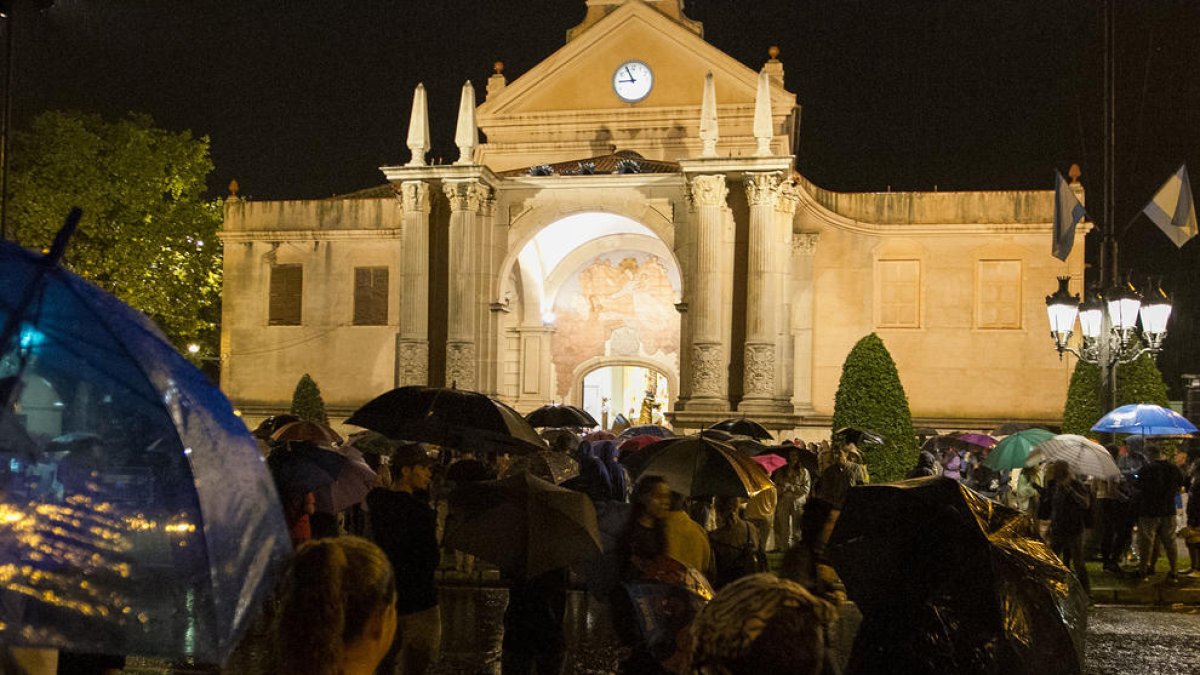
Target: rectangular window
(287,290)
(899,298)
(998,294)
(370,296)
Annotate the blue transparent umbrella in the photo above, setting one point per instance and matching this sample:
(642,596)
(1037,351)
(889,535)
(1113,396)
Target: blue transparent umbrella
(156,530)
(1145,419)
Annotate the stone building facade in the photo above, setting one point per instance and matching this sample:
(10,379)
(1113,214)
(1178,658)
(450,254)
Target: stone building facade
(607,223)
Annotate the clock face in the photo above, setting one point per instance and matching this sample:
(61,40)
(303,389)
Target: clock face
(632,81)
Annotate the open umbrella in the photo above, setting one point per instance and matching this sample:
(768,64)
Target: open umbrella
(978,440)
(1009,428)
(555,467)
(301,466)
(950,582)
(176,526)
(858,436)
(699,465)
(635,444)
(561,416)
(647,430)
(1012,451)
(1144,419)
(269,426)
(522,524)
(305,430)
(1084,456)
(356,479)
(455,418)
(770,462)
(743,427)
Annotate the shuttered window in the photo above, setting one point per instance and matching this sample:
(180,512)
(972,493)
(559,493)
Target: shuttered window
(287,291)
(998,294)
(898,303)
(370,296)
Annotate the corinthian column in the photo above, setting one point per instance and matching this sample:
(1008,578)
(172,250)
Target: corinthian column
(709,363)
(764,300)
(412,343)
(466,200)
(804,249)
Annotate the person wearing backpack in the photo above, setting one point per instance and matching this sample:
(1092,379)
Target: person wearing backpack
(734,543)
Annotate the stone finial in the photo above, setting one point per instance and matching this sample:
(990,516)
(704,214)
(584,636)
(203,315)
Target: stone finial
(497,82)
(466,134)
(418,128)
(763,124)
(233,190)
(708,118)
(774,67)
(773,52)
(1074,172)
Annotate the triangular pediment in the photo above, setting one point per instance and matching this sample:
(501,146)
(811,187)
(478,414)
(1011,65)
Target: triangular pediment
(578,77)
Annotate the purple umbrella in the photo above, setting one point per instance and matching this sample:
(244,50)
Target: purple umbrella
(981,440)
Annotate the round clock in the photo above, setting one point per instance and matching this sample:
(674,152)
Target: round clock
(632,81)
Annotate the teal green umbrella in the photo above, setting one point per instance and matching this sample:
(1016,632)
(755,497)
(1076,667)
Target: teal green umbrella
(1011,452)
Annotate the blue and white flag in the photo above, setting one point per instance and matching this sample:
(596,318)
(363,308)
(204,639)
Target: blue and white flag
(1172,209)
(1067,214)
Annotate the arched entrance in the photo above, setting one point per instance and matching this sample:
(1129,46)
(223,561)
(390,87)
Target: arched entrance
(591,290)
(638,390)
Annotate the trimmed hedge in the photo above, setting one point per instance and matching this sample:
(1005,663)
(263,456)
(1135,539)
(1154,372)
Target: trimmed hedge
(870,396)
(307,403)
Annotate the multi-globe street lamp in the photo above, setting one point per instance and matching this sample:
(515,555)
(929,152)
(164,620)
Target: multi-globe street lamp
(1108,323)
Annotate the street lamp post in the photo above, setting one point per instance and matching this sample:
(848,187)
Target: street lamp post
(1109,336)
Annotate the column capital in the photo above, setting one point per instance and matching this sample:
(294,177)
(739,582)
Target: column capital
(708,190)
(762,188)
(414,196)
(805,243)
(789,197)
(470,196)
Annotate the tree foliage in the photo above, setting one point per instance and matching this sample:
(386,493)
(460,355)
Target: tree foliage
(307,403)
(870,396)
(1082,408)
(1137,382)
(147,235)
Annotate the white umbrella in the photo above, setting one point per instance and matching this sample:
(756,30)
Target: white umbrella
(1084,456)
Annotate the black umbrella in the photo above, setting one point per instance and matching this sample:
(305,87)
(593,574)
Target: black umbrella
(269,426)
(743,427)
(522,524)
(858,436)
(561,416)
(303,467)
(950,582)
(455,418)
(699,465)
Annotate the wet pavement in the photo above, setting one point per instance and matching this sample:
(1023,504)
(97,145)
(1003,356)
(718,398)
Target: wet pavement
(1121,639)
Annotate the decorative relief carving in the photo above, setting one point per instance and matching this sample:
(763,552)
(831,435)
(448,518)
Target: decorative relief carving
(760,370)
(708,191)
(460,364)
(456,194)
(707,370)
(412,362)
(624,342)
(789,197)
(805,243)
(414,195)
(762,188)
(479,197)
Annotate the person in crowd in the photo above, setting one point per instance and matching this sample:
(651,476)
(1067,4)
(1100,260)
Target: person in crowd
(1068,519)
(734,543)
(687,541)
(464,471)
(1191,533)
(760,513)
(405,527)
(794,484)
(337,609)
(1044,505)
(1112,517)
(1158,483)
(534,642)
(952,464)
(764,624)
(925,467)
(642,552)
(1024,497)
(618,476)
(594,479)
(856,465)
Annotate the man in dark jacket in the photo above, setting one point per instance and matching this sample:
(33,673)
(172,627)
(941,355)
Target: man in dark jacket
(405,527)
(1158,483)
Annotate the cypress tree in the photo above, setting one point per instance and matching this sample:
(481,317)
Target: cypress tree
(1082,408)
(1141,382)
(870,396)
(307,403)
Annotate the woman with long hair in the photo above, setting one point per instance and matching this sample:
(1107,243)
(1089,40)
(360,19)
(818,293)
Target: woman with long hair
(337,608)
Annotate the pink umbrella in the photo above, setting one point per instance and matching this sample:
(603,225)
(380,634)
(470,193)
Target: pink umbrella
(636,443)
(770,462)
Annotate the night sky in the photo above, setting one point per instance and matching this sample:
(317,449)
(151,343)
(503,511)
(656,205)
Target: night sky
(306,98)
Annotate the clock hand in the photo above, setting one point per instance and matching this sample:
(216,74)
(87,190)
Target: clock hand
(629,74)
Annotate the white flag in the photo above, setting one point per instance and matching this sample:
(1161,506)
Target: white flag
(1172,209)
